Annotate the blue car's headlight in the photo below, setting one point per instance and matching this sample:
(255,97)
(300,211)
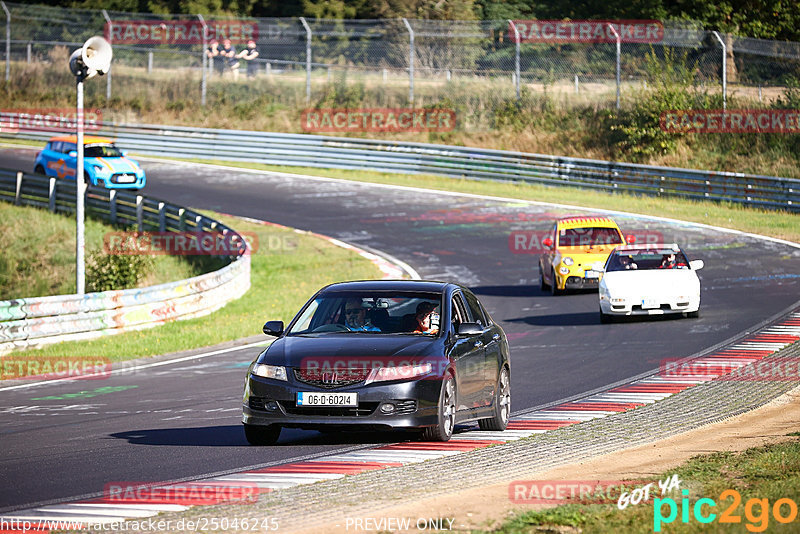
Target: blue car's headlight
(269,371)
(99,169)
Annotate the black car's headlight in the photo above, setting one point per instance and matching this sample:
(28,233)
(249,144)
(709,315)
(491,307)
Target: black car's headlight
(399,372)
(270,371)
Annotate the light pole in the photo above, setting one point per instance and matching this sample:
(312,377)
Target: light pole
(93,58)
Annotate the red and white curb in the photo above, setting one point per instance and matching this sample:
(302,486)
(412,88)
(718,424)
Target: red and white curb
(622,398)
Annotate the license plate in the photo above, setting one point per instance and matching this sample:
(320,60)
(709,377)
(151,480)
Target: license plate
(126,179)
(649,304)
(310,398)
(591,274)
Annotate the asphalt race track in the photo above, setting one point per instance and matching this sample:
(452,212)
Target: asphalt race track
(182,420)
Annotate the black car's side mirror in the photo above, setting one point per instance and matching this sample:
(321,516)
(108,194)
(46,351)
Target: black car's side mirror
(273,328)
(469,329)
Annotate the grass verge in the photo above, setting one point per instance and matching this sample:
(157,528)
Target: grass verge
(282,278)
(765,474)
(51,270)
(779,224)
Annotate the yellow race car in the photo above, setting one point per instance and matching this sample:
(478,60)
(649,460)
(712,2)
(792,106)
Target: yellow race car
(573,247)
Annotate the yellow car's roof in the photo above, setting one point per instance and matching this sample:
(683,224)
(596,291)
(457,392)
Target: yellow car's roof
(583,222)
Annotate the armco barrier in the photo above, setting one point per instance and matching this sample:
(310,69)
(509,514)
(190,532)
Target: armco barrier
(421,158)
(29,322)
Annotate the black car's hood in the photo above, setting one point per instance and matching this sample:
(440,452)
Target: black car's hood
(291,351)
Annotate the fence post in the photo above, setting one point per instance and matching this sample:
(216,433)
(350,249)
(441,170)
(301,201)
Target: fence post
(162,217)
(51,195)
(109,35)
(205,68)
(516,54)
(619,50)
(8,40)
(19,188)
(724,71)
(308,58)
(112,201)
(139,213)
(576,84)
(268,68)
(28,53)
(410,61)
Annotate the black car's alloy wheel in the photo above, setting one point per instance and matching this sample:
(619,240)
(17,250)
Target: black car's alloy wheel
(262,435)
(502,405)
(447,413)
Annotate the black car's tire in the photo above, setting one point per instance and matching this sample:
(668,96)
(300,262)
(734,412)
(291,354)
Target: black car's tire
(262,435)
(502,404)
(39,170)
(543,285)
(554,284)
(446,413)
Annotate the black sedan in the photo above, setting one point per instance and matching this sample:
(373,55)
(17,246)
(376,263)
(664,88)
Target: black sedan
(381,355)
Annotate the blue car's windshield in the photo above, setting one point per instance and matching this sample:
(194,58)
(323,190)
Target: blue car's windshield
(101,151)
(371,313)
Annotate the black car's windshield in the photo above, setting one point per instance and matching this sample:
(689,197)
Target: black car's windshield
(644,260)
(102,151)
(377,312)
(588,237)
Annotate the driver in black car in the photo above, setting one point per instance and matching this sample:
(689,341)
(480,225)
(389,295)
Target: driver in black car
(356,317)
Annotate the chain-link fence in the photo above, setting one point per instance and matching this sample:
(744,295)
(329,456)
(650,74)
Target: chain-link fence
(468,66)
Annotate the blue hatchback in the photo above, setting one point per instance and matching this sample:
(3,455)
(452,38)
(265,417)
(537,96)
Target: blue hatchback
(104,164)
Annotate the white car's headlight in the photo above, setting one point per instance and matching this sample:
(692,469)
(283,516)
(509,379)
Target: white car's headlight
(270,371)
(567,261)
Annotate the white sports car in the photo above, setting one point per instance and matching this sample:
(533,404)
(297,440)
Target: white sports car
(649,280)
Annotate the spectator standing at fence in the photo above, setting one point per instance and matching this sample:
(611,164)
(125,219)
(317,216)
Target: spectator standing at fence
(213,55)
(228,52)
(249,54)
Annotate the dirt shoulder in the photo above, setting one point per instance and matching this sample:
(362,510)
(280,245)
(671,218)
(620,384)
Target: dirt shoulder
(488,506)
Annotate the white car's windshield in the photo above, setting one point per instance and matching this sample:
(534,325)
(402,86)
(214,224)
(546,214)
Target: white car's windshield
(645,260)
(371,313)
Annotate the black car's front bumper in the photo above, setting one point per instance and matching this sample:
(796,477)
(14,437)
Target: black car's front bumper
(274,402)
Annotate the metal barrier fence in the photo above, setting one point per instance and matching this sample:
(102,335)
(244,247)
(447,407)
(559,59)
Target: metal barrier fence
(32,322)
(425,60)
(445,160)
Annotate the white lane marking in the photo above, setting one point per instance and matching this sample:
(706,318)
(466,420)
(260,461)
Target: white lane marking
(35,515)
(102,512)
(138,367)
(126,506)
(311,477)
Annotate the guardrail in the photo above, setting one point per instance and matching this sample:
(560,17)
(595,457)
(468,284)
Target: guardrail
(445,160)
(32,322)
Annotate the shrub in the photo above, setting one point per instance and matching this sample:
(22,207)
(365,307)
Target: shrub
(105,272)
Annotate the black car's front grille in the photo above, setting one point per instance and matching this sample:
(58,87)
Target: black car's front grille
(331,379)
(405,407)
(257,403)
(364,409)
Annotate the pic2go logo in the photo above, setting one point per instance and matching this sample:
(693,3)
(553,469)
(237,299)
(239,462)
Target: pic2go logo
(758,521)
